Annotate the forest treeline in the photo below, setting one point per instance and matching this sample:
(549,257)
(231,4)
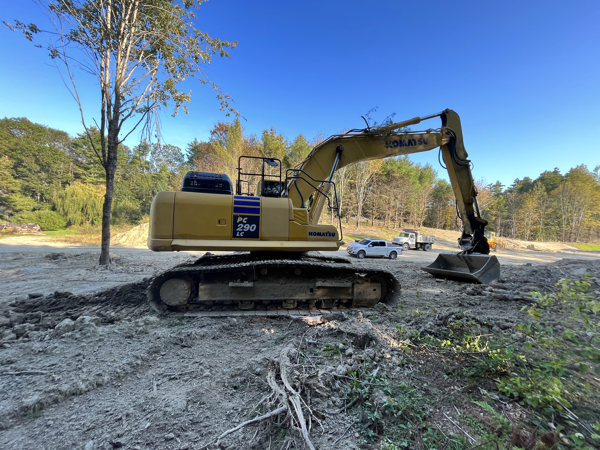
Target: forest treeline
(55,180)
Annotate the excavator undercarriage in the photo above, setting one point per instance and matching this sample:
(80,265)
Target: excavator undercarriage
(267,281)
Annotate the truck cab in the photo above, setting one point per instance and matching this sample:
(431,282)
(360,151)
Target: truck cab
(413,239)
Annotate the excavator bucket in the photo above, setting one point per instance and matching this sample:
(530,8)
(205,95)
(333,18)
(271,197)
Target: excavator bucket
(474,267)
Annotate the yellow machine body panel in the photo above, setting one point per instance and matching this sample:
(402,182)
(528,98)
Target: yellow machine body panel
(208,219)
(204,221)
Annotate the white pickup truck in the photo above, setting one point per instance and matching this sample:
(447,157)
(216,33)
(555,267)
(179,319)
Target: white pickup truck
(377,248)
(410,238)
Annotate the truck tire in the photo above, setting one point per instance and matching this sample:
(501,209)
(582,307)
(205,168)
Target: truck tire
(405,247)
(393,255)
(361,254)
(426,247)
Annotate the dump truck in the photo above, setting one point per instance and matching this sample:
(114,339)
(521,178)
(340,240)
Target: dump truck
(270,225)
(414,239)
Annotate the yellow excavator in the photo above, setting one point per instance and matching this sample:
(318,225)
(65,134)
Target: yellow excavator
(270,226)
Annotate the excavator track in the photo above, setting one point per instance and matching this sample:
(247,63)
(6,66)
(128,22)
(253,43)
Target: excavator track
(271,283)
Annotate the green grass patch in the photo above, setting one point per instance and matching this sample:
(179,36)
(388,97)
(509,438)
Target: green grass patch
(588,247)
(85,234)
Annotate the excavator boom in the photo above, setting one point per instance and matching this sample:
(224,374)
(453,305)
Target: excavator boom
(390,140)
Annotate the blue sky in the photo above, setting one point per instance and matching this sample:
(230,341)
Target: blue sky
(524,76)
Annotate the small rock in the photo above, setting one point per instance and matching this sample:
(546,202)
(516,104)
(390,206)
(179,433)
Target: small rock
(91,445)
(32,402)
(169,436)
(369,353)
(579,272)
(23,329)
(85,321)
(150,320)
(8,335)
(65,326)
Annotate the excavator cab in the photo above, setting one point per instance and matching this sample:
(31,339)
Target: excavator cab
(262,172)
(258,175)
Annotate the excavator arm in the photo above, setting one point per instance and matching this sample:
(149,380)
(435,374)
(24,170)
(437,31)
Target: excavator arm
(374,143)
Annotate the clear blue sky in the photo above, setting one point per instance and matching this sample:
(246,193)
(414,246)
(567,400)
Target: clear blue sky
(523,75)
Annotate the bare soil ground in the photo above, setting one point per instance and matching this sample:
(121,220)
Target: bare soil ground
(86,364)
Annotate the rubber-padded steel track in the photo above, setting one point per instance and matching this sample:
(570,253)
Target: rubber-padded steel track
(260,281)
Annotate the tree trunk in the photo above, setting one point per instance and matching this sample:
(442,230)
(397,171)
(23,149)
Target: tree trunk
(106,213)
(110,170)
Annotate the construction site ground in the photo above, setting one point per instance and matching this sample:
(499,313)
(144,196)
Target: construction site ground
(85,363)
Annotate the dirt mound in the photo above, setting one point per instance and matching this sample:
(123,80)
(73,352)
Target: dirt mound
(539,246)
(137,237)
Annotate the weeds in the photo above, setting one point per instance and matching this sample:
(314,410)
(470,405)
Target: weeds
(553,374)
(393,413)
(549,366)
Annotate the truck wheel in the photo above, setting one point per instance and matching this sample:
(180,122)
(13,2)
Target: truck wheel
(393,255)
(361,254)
(426,247)
(405,247)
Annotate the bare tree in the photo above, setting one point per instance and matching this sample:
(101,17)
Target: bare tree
(139,51)
(363,172)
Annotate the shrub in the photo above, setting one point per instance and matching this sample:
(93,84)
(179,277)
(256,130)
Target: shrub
(46,219)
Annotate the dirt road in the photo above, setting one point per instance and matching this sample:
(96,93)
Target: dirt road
(36,265)
(86,364)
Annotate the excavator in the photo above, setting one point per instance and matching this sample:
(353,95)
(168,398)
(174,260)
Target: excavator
(269,225)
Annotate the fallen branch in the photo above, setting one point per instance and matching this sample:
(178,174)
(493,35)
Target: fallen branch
(268,415)
(286,397)
(295,399)
(458,426)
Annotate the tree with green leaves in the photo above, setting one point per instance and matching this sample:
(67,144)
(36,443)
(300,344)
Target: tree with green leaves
(579,204)
(80,203)
(441,210)
(273,145)
(9,186)
(38,163)
(139,51)
(297,152)
(228,144)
